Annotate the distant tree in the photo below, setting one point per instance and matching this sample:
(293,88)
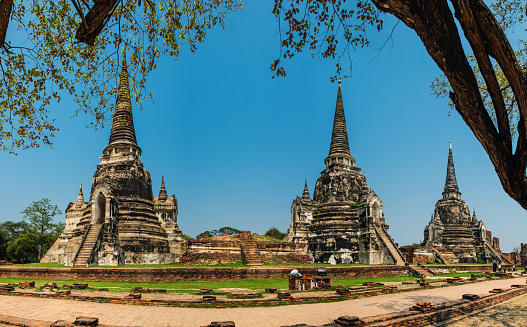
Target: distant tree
(219,232)
(275,233)
(204,234)
(40,215)
(10,231)
(408,247)
(3,244)
(226,231)
(14,229)
(516,250)
(25,248)
(187,237)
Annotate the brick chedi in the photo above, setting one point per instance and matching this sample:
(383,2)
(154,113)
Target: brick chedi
(344,221)
(120,224)
(166,208)
(301,217)
(452,230)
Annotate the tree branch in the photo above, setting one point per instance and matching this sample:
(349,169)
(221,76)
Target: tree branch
(6,7)
(501,50)
(434,23)
(472,32)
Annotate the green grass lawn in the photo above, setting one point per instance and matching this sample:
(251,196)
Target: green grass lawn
(252,284)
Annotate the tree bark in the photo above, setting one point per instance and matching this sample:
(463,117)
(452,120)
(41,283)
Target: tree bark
(6,7)
(95,19)
(434,23)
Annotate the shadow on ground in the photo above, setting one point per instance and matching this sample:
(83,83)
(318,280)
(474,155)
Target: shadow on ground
(510,314)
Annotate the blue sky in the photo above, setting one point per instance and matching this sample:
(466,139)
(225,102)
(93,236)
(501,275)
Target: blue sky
(235,145)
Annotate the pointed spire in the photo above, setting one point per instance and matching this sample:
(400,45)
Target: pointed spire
(339,137)
(474,217)
(305,194)
(123,123)
(80,197)
(451,189)
(163,191)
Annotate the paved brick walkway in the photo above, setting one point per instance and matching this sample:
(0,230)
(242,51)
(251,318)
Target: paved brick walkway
(512,313)
(316,314)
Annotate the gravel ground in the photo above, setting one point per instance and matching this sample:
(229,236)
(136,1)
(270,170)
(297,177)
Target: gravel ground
(511,313)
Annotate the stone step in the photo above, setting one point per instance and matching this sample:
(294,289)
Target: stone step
(389,245)
(87,247)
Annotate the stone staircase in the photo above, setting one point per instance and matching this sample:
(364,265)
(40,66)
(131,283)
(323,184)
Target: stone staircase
(441,257)
(419,272)
(87,246)
(250,254)
(501,257)
(394,251)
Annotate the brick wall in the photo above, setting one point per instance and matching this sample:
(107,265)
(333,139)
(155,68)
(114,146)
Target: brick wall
(471,268)
(191,274)
(512,257)
(281,247)
(496,244)
(210,252)
(420,255)
(488,236)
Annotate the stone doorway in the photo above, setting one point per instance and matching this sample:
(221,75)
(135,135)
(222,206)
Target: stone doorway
(100,209)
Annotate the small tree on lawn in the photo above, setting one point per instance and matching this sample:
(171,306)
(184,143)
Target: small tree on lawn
(40,215)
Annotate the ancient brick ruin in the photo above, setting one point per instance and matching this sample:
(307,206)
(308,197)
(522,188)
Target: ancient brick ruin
(122,222)
(344,222)
(243,247)
(453,233)
(523,255)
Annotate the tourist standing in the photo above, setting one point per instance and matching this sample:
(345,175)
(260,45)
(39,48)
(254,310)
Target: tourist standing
(494,266)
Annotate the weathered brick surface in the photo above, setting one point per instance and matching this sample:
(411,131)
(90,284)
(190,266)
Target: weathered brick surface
(448,310)
(193,274)
(222,324)
(191,257)
(27,284)
(470,268)
(245,295)
(87,321)
(430,315)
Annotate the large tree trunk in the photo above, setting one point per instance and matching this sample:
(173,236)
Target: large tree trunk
(6,7)
(434,23)
(95,20)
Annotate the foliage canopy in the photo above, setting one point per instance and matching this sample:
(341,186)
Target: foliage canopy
(44,60)
(29,239)
(485,80)
(275,233)
(219,232)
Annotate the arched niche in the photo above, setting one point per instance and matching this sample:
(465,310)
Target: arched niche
(376,210)
(100,209)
